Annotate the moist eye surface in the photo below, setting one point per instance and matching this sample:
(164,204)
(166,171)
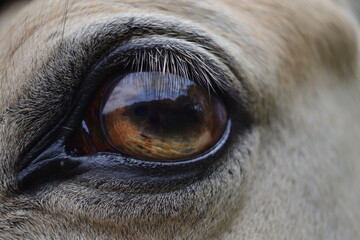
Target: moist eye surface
(154,116)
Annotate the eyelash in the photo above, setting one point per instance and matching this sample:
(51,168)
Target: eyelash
(173,60)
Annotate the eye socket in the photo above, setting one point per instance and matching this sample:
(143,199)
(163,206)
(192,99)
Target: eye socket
(154,116)
(186,80)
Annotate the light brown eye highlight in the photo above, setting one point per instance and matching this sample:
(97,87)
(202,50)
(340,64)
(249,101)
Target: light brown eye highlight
(154,116)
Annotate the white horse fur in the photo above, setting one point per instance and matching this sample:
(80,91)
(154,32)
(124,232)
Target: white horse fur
(295,174)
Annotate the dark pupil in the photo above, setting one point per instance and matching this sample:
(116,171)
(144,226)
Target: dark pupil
(141,111)
(166,117)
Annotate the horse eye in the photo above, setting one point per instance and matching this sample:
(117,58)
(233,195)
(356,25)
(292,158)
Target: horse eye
(153,116)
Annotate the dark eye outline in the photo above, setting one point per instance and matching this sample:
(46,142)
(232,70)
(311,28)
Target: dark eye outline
(54,163)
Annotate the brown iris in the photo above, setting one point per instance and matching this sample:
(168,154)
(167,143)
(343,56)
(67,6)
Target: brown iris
(152,116)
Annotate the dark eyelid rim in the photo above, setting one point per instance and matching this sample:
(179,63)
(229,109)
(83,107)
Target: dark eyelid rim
(60,162)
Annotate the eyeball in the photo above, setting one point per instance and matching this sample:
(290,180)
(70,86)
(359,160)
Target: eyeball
(153,116)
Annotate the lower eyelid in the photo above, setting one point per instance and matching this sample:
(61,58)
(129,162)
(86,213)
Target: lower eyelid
(54,164)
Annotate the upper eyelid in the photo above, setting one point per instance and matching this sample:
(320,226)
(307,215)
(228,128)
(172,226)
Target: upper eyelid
(114,33)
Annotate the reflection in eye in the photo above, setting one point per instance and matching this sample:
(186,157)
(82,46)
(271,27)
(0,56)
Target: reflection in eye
(152,116)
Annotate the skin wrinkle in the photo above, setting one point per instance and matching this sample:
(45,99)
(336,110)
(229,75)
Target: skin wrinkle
(293,175)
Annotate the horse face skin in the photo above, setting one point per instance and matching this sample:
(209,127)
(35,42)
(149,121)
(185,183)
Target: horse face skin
(292,173)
